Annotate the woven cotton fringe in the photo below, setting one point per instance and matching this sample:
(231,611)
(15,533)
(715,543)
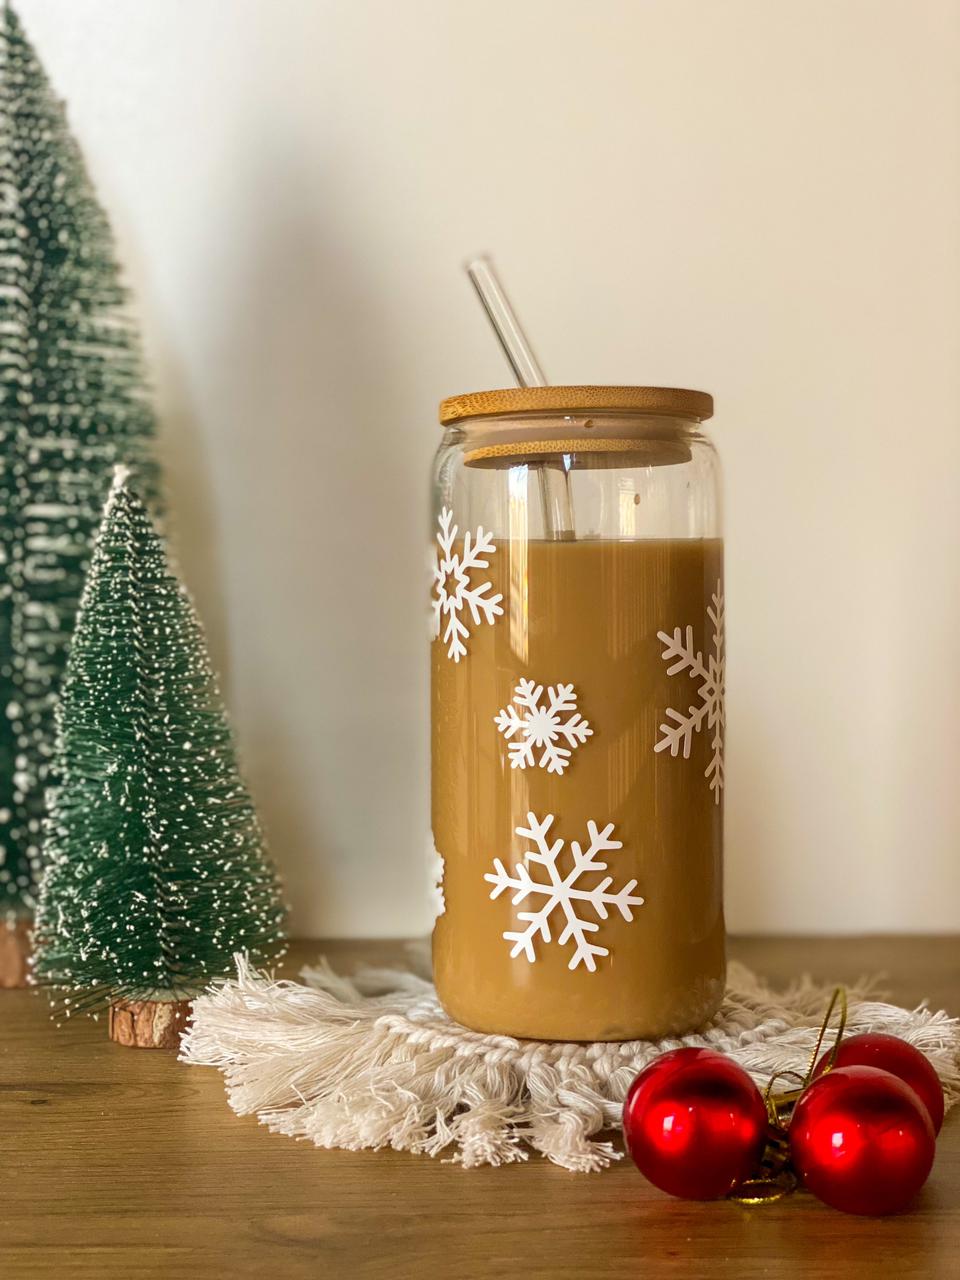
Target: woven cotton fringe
(373,1061)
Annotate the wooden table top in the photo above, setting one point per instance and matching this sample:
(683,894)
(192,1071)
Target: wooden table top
(125,1163)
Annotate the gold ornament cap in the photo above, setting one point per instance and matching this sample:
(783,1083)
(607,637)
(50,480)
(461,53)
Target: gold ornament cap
(672,401)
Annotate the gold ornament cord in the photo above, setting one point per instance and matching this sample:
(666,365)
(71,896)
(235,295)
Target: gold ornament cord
(775,1179)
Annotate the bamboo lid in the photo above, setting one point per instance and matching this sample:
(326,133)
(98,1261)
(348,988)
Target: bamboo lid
(672,401)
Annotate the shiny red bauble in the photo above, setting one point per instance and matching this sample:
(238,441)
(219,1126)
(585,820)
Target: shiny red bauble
(890,1053)
(694,1123)
(861,1140)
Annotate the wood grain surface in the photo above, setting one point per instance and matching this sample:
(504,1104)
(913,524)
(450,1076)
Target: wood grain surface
(123,1164)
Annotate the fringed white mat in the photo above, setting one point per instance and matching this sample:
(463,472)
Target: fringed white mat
(372,1061)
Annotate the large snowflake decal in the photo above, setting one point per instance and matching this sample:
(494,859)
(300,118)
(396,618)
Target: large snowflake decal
(563,893)
(542,726)
(451,576)
(679,650)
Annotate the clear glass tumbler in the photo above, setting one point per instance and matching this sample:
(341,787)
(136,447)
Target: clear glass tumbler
(578,712)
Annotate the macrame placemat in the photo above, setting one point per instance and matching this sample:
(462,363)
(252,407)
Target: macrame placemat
(373,1061)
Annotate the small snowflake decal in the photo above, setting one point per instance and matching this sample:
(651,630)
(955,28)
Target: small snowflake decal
(451,576)
(542,726)
(679,650)
(435,868)
(562,893)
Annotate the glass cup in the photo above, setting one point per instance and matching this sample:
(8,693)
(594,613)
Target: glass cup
(577,712)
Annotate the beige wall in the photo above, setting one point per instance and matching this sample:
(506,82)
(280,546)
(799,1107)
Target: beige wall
(759,197)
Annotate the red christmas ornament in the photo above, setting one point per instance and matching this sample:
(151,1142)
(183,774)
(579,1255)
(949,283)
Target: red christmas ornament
(890,1053)
(862,1140)
(695,1124)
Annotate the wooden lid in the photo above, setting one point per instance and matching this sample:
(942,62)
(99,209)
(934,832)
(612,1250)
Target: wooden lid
(672,401)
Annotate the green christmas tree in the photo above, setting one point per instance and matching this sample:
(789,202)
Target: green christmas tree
(72,403)
(156,872)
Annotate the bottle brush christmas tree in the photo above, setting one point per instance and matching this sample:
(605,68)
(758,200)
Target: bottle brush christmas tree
(156,872)
(72,403)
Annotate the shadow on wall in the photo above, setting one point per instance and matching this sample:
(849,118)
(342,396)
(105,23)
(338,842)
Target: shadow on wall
(753,879)
(311,491)
(191,519)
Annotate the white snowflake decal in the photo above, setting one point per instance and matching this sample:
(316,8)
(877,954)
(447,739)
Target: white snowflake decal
(451,576)
(542,726)
(435,868)
(562,892)
(679,650)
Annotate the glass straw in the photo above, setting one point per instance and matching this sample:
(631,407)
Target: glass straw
(555,498)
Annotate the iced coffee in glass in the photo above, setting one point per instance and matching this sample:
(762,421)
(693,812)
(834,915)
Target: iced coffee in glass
(578,712)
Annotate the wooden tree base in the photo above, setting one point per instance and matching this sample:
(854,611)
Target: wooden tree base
(14,954)
(149,1024)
